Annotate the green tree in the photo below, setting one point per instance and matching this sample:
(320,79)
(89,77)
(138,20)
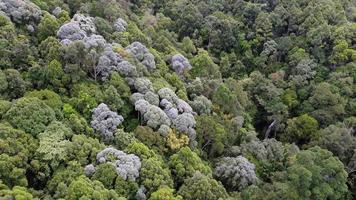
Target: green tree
(49,97)
(62,177)
(154,174)
(83,149)
(202,187)
(188,46)
(150,138)
(211,135)
(339,140)
(16,151)
(164,193)
(301,130)
(185,163)
(4,107)
(84,188)
(317,174)
(53,144)
(16,193)
(50,49)
(221,32)
(16,85)
(30,114)
(204,66)
(106,174)
(47,27)
(84,103)
(226,100)
(325,104)
(186,17)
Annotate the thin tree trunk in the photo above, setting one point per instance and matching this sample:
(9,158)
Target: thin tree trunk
(269,129)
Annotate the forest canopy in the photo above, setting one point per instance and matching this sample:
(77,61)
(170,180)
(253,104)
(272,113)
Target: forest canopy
(178,99)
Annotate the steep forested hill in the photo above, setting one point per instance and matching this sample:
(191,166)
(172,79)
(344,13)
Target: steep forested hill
(178,99)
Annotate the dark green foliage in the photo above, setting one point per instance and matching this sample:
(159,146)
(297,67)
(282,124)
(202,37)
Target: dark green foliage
(154,174)
(16,151)
(47,27)
(212,136)
(30,114)
(200,186)
(301,130)
(84,188)
(254,88)
(106,174)
(204,66)
(49,97)
(326,104)
(16,85)
(185,163)
(307,175)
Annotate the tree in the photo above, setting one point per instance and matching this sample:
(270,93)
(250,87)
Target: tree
(202,187)
(301,130)
(16,192)
(120,25)
(21,11)
(62,177)
(47,27)
(55,77)
(123,139)
(180,64)
(30,114)
(204,66)
(201,105)
(16,85)
(211,135)
(140,149)
(105,173)
(142,54)
(221,32)
(164,193)
(188,46)
(4,107)
(3,82)
(185,123)
(76,122)
(52,147)
(154,174)
(152,115)
(127,166)
(7,35)
(16,151)
(153,140)
(303,73)
(263,26)
(231,66)
(49,97)
(175,142)
(85,102)
(327,105)
(186,17)
(236,173)
(50,49)
(113,99)
(269,155)
(226,100)
(185,163)
(268,96)
(105,121)
(317,174)
(84,188)
(339,140)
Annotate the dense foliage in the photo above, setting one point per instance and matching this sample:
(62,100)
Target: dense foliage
(178,99)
